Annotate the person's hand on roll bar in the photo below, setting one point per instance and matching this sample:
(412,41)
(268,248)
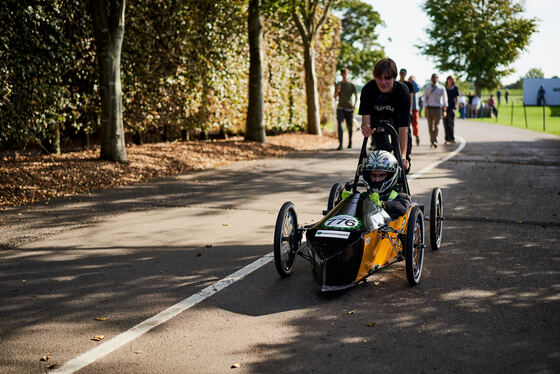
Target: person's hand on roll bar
(366,126)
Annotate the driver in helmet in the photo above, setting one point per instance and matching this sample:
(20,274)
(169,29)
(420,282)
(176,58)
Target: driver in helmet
(381,171)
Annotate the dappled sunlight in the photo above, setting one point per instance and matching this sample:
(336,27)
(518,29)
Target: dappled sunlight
(492,284)
(439,328)
(468,293)
(127,284)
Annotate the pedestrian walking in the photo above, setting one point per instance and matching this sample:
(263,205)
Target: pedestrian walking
(470,98)
(347,96)
(435,101)
(491,105)
(506,95)
(402,79)
(475,106)
(415,111)
(498,95)
(462,106)
(452,99)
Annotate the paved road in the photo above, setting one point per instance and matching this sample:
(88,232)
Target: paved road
(488,301)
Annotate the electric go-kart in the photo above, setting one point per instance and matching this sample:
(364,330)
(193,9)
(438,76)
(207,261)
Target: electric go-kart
(356,237)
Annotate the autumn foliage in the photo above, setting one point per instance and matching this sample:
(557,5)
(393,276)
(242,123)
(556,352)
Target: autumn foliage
(30,177)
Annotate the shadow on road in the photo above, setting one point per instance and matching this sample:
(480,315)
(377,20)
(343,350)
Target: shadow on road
(229,187)
(488,301)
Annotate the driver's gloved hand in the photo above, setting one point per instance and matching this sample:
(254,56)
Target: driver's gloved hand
(346,194)
(375,198)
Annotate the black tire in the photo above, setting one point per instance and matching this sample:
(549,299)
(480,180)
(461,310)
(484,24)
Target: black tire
(285,239)
(335,196)
(436,219)
(414,246)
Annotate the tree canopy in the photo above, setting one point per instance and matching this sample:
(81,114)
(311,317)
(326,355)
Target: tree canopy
(359,48)
(535,73)
(477,39)
(532,73)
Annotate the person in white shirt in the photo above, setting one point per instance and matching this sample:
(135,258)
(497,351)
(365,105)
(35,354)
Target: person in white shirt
(435,102)
(462,106)
(475,106)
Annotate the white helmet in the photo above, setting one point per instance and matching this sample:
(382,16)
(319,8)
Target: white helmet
(381,161)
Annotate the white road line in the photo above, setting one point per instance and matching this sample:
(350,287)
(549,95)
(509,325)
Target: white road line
(436,163)
(118,341)
(143,327)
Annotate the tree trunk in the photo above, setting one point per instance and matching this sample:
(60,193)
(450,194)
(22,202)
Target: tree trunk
(56,140)
(477,88)
(309,21)
(313,116)
(108,24)
(255,127)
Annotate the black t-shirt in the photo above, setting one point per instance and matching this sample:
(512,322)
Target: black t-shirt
(393,106)
(452,93)
(409,86)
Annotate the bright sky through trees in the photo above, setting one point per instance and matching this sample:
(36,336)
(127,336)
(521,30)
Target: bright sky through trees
(406,23)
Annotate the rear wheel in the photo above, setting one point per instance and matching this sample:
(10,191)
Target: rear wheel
(335,196)
(414,246)
(286,239)
(436,219)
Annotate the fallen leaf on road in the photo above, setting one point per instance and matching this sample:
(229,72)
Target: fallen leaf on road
(45,358)
(225,224)
(98,337)
(351,312)
(236,365)
(371,324)
(102,319)
(138,352)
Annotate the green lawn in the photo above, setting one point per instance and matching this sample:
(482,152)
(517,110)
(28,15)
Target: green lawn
(513,114)
(534,114)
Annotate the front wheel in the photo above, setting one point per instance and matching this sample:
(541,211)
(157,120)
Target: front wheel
(286,239)
(335,196)
(414,246)
(436,219)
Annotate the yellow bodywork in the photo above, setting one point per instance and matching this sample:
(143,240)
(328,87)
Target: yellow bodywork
(381,248)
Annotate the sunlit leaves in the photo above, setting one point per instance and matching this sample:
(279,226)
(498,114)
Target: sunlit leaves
(359,48)
(478,40)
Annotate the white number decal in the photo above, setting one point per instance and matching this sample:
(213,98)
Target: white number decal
(342,221)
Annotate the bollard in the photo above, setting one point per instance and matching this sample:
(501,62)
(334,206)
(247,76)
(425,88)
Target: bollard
(511,120)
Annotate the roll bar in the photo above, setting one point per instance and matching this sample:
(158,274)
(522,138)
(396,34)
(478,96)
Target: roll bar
(383,126)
